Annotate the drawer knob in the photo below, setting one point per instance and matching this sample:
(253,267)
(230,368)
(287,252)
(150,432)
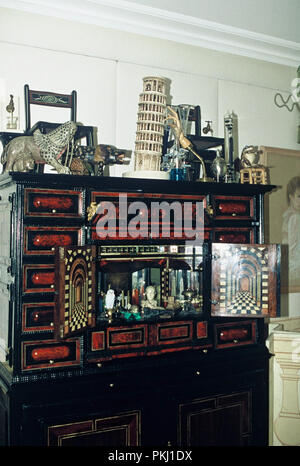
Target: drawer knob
(54,211)
(111,385)
(235,341)
(198,372)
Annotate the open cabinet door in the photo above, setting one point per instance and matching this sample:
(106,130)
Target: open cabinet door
(245,280)
(75,288)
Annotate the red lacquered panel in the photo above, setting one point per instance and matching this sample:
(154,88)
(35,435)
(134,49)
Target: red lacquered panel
(37,317)
(201,329)
(240,207)
(38,278)
(42,278)
(43,240)
(53,203)
(49,353)
(240,236)
(133,337)
(98,341)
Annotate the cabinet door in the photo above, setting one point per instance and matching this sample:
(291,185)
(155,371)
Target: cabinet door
(75,285)
(122,430)
(245,280)
(217,420)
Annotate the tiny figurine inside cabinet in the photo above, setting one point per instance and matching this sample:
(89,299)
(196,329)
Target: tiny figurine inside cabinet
(134,311)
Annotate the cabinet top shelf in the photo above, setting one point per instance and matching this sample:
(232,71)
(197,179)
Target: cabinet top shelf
(139,185)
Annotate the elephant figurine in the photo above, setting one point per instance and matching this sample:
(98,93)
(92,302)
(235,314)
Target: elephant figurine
(22,152)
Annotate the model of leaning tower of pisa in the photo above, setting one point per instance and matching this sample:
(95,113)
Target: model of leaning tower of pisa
(150,124)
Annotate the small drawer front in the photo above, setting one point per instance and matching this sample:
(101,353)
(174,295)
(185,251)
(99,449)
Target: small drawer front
(127,338)
(44,240)
(235,334)
(232,235)
(49,354)
(37,317)
(38,278)
(230,207)
(170,333)
(53,203)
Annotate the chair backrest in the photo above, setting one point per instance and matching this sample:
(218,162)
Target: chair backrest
(50,99)
(195,116)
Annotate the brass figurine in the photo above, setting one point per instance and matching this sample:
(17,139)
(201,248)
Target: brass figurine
(184,142)
(251,171)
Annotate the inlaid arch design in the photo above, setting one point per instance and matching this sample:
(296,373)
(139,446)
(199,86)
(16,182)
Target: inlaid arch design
(245,279)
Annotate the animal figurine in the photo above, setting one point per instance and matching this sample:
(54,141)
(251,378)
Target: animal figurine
(22,152)
(250,156)
(173,120)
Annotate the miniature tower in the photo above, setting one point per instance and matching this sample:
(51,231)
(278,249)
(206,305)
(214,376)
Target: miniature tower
(150,124)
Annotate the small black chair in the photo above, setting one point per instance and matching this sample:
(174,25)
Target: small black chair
(54,99)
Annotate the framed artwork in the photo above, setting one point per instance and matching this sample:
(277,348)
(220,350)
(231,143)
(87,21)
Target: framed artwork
(245,280)
(282,211)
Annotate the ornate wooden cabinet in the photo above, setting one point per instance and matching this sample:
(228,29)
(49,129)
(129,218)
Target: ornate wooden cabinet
(192,370)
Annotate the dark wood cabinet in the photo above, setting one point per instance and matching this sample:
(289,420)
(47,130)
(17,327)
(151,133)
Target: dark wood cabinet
(72,373)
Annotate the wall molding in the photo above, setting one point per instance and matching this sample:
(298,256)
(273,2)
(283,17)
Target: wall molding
(162,24)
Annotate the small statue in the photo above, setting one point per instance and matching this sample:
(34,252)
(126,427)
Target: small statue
(92,159)
(110,299)
(22,152)
(175,123)
(10,108)
(250,156)
(219,167)
(150,302)
(250,170)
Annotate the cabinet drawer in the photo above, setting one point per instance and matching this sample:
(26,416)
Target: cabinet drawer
(37,317)
(49,354)
(43,240)
(53,203)
(126,338)
(38,278)
(235,334)
(233,235)
(231,207)
(162,215)
(170,333)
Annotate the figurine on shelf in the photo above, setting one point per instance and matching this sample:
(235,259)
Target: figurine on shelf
(250,170)
(175,123)
(219,167)
(109,304)
(150,302)
(91,160)
(110,299)
(22,152)
(11,120)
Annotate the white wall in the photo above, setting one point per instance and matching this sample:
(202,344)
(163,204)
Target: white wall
(106,68)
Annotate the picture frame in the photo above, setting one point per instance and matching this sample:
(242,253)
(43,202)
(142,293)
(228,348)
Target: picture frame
(283,165)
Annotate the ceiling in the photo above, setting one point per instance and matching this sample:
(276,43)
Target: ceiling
(266,30)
